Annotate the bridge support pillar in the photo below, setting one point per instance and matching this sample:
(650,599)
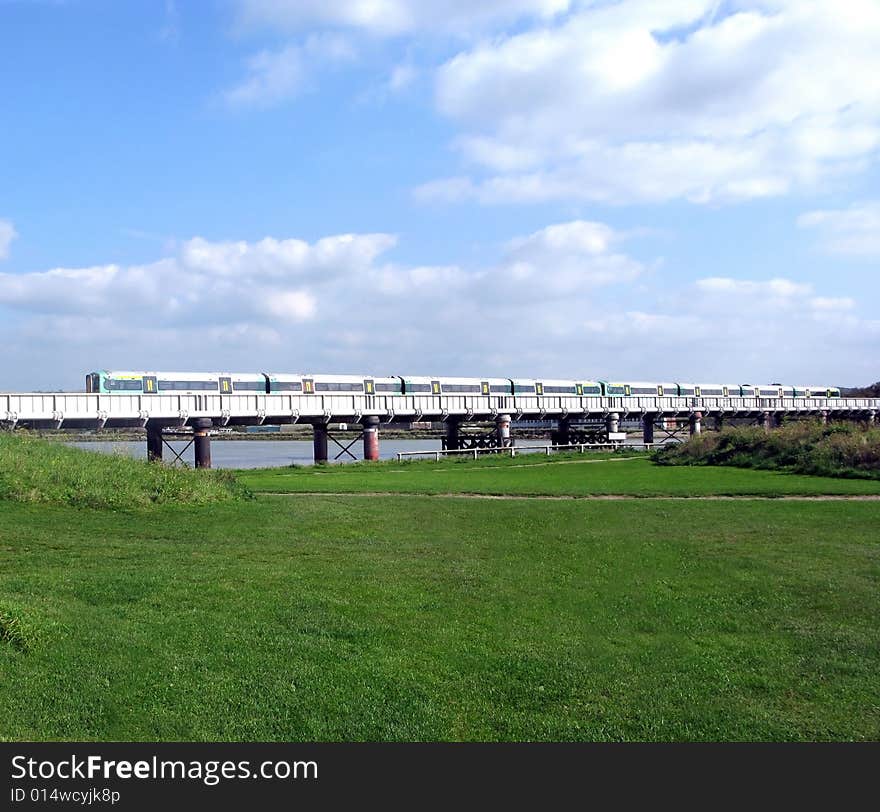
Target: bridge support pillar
(696,423)
(767,421)
(452,436)
(371,438)
(823,417)
(319,443)
(202,441)
(154,443)
(871,419)
(502,430)
(612,423)
(648,427)
(562,435)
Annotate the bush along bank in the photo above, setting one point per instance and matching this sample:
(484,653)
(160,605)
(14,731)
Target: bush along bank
(839,449)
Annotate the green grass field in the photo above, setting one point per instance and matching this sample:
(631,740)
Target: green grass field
(348,617)
(572,475)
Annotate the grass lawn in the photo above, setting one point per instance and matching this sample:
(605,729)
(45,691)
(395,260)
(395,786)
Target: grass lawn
(313,618)
(534,474)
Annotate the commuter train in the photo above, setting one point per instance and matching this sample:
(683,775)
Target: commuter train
(228,383)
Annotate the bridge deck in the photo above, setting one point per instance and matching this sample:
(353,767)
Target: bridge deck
(74,410)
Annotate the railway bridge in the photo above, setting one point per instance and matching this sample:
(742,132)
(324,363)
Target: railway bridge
(161,415)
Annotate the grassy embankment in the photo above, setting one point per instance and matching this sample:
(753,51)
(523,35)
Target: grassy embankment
(34,470)
(302,617)
(838,450)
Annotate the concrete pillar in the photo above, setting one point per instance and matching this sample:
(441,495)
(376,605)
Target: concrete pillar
(319,443)
(612,422)
(154,443)
(562,435)
(202,441)
(696,423)
(767,421)
(452,435)
(823,417)
(648,427)
(872,419)
(502,430)
(371,438)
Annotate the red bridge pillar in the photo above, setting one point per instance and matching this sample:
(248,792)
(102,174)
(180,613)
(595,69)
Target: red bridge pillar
(371,438)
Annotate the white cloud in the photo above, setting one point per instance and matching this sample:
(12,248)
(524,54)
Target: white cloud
(394,17)
(7,235)
(559,301)
(274,77)
(646,101)
(776,288)
(848,232)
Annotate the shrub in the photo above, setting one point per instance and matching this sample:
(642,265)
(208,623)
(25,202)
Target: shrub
(839,449)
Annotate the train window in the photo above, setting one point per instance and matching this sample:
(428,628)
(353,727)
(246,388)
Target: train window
(460,388)
(124,384)
(644,390)
(500,389)
(338,386)
(616,389)
(413,388)
(592,390)
(388,387)
(286,386)
(243,386)
(559,390)
(523,389)
(188,386)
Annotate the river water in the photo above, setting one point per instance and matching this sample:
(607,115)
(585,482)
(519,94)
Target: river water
(270,453)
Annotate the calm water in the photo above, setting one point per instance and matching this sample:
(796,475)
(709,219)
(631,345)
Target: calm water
(270,453)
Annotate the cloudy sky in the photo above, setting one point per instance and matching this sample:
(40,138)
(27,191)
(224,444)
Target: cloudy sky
(645,189)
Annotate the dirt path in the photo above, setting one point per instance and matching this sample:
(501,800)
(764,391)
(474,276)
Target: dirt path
(597,497)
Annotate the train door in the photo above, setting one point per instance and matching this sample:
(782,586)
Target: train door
(150,386)
(226,386)
(308,386)
(435,387)
(370,391)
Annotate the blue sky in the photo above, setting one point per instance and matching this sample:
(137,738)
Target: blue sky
(663,190)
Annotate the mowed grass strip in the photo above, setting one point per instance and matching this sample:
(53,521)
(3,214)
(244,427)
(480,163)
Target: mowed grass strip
(301,618)
(535,475)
